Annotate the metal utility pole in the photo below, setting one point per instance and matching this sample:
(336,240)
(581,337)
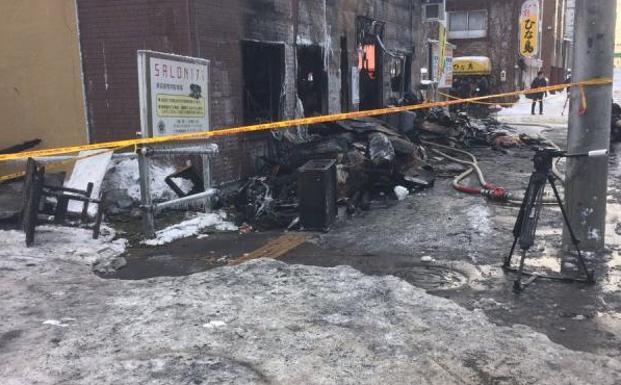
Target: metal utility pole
(587,178)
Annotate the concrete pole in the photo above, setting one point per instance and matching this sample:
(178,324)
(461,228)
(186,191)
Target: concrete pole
(148,217)
(587,178)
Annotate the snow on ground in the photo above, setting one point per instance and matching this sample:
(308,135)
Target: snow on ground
(124,176)
(267,322)
(552,109)
(617,85)
(62,243)
(191,227)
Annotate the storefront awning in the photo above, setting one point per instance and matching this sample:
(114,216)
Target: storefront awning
(472,65)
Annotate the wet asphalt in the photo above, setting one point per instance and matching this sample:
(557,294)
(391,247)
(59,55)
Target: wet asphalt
(452,245)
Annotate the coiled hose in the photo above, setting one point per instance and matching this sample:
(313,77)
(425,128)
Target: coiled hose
(488,190)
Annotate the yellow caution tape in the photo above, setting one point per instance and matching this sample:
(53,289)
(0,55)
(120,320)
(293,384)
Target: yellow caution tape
(57,165)
(286,123)
(497,103)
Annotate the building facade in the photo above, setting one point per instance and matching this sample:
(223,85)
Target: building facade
(269,60)
(570,15)
(554,52)
(41,92)
(488,28)
(491,28)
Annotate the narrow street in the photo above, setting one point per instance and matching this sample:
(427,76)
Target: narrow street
(313,192)
(267,322)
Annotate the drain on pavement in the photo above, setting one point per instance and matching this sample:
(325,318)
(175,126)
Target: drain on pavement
(432,278)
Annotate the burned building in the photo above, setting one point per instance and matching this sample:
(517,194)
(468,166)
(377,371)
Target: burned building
(270,60)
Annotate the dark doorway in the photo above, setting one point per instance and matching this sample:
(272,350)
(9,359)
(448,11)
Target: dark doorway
(263,67)
(370,62)
(371,79)
(312,80)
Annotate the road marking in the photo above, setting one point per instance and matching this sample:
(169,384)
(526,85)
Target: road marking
(274,249)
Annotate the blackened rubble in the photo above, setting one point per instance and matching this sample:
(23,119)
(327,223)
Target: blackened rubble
(373,156)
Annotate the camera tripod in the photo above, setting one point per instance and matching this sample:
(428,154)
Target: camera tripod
(530,210)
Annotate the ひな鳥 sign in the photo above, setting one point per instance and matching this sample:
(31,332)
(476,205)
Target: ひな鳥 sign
(529,29)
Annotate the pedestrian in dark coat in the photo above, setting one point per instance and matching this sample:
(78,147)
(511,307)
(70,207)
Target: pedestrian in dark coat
(540,81)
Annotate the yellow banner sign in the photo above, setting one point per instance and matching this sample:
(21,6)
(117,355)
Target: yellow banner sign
(442,38)
(529,29)
(176,106)
(471,65)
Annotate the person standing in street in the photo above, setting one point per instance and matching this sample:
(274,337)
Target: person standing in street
(540,81)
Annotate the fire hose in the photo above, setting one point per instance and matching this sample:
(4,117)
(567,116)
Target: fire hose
(488,190)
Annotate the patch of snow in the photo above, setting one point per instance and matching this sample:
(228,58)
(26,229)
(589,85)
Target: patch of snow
(427,259)
(214,324)
(488,304)
(124,175)
(401,192)
(191,227)
(479,218)
(552,110)
(337,325)
(617,85)
(594,234)
(56,242)
(54,322)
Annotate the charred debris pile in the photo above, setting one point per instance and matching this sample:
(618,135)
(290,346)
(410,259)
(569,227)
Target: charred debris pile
(377,160)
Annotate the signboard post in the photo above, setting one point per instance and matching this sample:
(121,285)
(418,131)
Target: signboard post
(174,99)
(529,29)
(443,68)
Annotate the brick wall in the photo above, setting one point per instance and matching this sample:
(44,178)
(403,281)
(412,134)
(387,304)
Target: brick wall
(553,32)
(218,29)
(111,31)
(500,44)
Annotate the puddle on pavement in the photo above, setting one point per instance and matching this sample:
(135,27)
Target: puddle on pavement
(164,265)
(188,256)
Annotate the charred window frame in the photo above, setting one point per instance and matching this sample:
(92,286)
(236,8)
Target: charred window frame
(401,73)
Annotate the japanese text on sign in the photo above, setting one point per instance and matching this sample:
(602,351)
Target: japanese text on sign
(174,93)
(529,29)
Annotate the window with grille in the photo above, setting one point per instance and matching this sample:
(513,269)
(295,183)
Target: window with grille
(433,10)
(468,24)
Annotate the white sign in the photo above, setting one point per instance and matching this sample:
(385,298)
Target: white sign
(446,79)
(173,94)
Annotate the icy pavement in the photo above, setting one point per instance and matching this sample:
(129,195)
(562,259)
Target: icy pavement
(552,111)
(553,107)
(264,322)
(58,243)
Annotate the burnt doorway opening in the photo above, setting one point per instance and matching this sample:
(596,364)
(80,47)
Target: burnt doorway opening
(370,62)
(312,80)
(264,68)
